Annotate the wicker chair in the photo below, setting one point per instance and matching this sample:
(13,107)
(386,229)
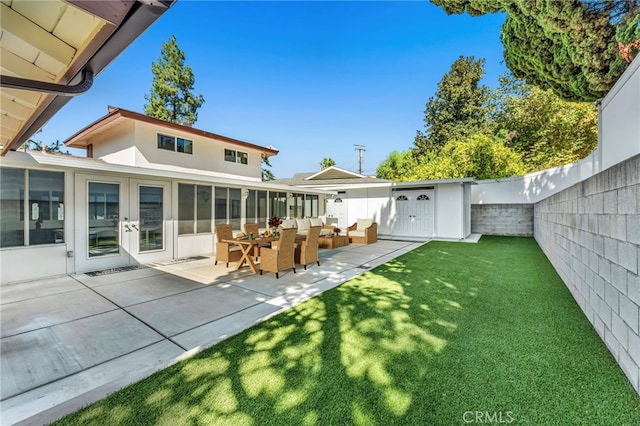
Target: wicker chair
(226,252)
(364,231)
(307,251)
(281,257)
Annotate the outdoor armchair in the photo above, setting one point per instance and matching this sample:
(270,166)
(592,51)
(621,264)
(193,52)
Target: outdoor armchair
(226,252)
(307,251)
(280,257)
(364,231)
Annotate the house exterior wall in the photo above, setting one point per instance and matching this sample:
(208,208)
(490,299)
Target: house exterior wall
(591,234)
(369,203)
(502,219)
(208,154)
(116,146)
(54,258)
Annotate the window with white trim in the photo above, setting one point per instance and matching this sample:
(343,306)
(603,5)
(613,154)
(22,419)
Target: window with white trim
(171,143)
(236,156)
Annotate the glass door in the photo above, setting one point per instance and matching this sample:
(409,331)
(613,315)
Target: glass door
(103,219)
(102,210)
(151,237)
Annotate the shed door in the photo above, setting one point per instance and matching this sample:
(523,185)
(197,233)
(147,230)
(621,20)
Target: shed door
(414,210)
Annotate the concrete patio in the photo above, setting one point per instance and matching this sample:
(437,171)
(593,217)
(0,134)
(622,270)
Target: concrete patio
(71,340)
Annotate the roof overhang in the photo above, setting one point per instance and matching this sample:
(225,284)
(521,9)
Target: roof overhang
(334,172)
(66,162)
(83,137)
(52,49)
(423,183)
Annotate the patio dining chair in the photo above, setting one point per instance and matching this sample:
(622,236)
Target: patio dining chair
(226,252)
(307,251)
(280,257)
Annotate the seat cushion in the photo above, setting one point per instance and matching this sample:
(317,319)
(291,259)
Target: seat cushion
(303,224)
(364,224)
(356,233)
(325,232)
(289,223)
(316,221)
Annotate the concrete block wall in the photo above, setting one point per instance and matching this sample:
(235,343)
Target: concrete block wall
(502,219)
(591,234)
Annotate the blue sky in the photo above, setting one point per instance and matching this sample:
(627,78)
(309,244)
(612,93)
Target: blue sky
(310,78)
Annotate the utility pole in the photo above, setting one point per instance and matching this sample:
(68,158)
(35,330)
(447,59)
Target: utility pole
(360,149)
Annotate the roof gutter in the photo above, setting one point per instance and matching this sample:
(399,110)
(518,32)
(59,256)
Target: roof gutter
(51,88)
(139,17)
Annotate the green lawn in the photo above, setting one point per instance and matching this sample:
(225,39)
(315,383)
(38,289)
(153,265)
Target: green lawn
(430,338)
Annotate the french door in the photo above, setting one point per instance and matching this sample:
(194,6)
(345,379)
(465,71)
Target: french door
(414,211)
(121,221)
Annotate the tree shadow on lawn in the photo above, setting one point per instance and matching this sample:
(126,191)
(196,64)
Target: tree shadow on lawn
(375,350)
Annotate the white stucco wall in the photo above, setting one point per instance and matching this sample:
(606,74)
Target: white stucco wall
(620,118)
(194,245)
(533,187)
(208,154)
(449,212)
(116,145)
(28,263)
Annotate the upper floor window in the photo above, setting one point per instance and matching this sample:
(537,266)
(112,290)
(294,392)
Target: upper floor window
(185,145)
(236,156)
(169,143)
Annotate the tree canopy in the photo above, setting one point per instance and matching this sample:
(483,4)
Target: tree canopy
(568,46)
(546,130)
(518,128)
(458,108)
(267,174)
(171,98)
(327,162)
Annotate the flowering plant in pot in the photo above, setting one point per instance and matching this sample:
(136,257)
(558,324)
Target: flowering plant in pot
(274,222)
(337,231)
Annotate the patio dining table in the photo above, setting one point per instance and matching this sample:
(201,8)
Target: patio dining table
(246,246)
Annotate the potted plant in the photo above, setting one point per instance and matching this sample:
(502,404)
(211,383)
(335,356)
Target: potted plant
(337,231)
(274,222)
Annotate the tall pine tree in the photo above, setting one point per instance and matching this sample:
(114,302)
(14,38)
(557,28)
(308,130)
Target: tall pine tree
(458,109)
(568,46)
(171,98)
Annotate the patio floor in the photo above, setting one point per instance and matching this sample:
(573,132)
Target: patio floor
(71,340)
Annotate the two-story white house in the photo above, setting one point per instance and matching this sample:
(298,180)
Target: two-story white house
(148,191)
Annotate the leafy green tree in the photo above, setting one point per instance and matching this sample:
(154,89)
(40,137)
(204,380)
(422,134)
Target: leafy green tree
(398,166)
(478,156)
(327,162)
(546,130)
(38,145)
(568,46)
(458,109)
(171,98)
(266,173)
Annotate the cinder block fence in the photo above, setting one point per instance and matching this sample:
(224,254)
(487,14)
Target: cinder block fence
(591,234)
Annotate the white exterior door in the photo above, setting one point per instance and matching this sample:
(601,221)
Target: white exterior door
(121,222)
(414,211)
(336,212)
(151,236)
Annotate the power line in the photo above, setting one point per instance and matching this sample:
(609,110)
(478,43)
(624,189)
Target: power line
(360,149)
